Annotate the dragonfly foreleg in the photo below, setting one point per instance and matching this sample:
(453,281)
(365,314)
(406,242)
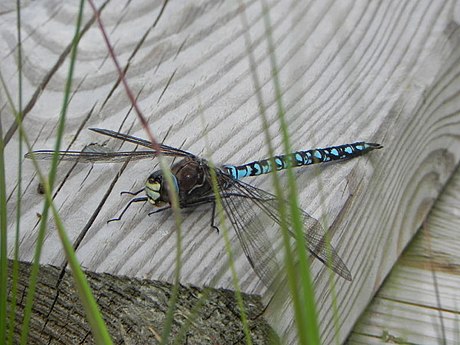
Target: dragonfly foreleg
(132,193)
(140,199)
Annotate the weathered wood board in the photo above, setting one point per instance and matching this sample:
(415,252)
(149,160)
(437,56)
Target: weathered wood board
(419,303)
(383,72)
(135,311)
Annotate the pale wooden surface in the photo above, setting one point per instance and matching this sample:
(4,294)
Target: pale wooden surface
(351,70)
(419,303)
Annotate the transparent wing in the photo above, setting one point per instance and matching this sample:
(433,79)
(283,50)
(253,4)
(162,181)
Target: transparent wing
(97,153)
(91,156)
(164,149)
(243,203)
(251,231)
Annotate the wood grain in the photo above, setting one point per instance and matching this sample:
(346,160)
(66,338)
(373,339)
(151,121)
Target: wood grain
(419,303)
(384,72)
(135,311)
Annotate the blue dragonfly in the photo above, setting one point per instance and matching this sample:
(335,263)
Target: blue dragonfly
(243,203)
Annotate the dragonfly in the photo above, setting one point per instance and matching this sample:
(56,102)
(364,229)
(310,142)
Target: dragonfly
(242,202)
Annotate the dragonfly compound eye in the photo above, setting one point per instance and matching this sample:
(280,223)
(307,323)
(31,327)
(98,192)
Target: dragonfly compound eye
(156,189)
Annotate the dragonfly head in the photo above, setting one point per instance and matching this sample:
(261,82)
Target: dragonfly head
(156,188)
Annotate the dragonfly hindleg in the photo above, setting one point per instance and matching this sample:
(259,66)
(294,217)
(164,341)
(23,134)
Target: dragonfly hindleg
(213,217)
(160,209)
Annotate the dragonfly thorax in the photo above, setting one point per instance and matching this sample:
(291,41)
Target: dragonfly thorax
(191,182)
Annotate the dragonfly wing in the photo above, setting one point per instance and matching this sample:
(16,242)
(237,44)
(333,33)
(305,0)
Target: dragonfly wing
(91,156)
(316,239)
(250,229)
(98,153)
(320,247)
(165,149)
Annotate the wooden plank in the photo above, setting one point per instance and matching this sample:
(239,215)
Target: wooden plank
(419,303)
(399,322)
(356,70)
(135,311)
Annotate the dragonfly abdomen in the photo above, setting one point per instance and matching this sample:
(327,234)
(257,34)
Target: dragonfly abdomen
(300,158)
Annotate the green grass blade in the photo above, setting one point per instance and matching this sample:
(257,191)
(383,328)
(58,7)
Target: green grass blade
(93,314)
(99,330)
(174,201)
(304,304)
(228,249)
(303,300)
(50,182)
(3,241)
(174,197)
(15,269)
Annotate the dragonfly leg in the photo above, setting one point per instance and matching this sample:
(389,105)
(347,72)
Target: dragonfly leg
(213,217)
(132,193)
(140,199)
(160,209)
